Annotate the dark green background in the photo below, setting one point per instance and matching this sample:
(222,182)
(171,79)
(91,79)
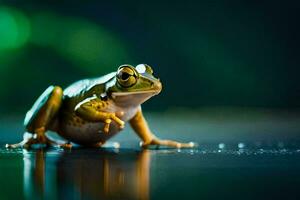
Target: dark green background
(207,53)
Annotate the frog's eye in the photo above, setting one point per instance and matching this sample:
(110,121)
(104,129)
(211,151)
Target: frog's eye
(126,76)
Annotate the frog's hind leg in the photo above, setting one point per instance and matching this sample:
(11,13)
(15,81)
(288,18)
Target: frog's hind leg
(39,118)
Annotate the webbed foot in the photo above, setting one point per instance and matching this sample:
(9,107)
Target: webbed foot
(167,143)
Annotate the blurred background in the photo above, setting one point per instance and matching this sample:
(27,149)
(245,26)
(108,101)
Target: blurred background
(207,53)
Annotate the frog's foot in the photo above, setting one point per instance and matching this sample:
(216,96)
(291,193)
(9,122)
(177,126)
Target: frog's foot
(52,143)
(167,143)
(98,144)
(30,139)
(112,117)
(17,145)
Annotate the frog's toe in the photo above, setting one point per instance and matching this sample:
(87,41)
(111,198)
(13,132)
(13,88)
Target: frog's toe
(188,145)
(118,120)
(67,145)
(122,126)
(106,126)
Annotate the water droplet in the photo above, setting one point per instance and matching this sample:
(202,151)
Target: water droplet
(241,145)
(221,146)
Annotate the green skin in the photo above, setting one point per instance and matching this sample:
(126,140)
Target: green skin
(91,111)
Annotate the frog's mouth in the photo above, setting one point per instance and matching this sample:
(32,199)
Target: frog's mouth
(114,94)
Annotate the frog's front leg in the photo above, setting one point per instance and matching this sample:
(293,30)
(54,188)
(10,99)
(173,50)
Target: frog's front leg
(140,126)
(90,110)
(39,118)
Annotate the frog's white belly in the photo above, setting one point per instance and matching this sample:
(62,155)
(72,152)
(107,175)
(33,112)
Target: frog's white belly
(92,132)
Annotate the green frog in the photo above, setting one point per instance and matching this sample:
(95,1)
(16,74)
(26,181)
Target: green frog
(89,112)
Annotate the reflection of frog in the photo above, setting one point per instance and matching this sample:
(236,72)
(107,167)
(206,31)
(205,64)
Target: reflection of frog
(104,175)
(87,174)
(91,111)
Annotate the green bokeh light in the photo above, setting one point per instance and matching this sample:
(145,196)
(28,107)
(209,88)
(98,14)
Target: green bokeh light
(14,28)
(87,45)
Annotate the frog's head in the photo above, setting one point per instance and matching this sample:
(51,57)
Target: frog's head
(134,85)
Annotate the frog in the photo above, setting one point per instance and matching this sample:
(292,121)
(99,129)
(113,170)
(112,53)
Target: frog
(91,111)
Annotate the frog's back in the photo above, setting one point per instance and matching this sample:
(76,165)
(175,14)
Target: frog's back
(79,88)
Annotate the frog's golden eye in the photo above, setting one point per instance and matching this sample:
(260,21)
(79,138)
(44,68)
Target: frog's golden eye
(126,76)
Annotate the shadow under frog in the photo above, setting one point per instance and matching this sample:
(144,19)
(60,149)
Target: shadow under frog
(86,174)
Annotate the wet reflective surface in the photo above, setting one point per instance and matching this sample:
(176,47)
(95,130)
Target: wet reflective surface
(232,166)
(155,174)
